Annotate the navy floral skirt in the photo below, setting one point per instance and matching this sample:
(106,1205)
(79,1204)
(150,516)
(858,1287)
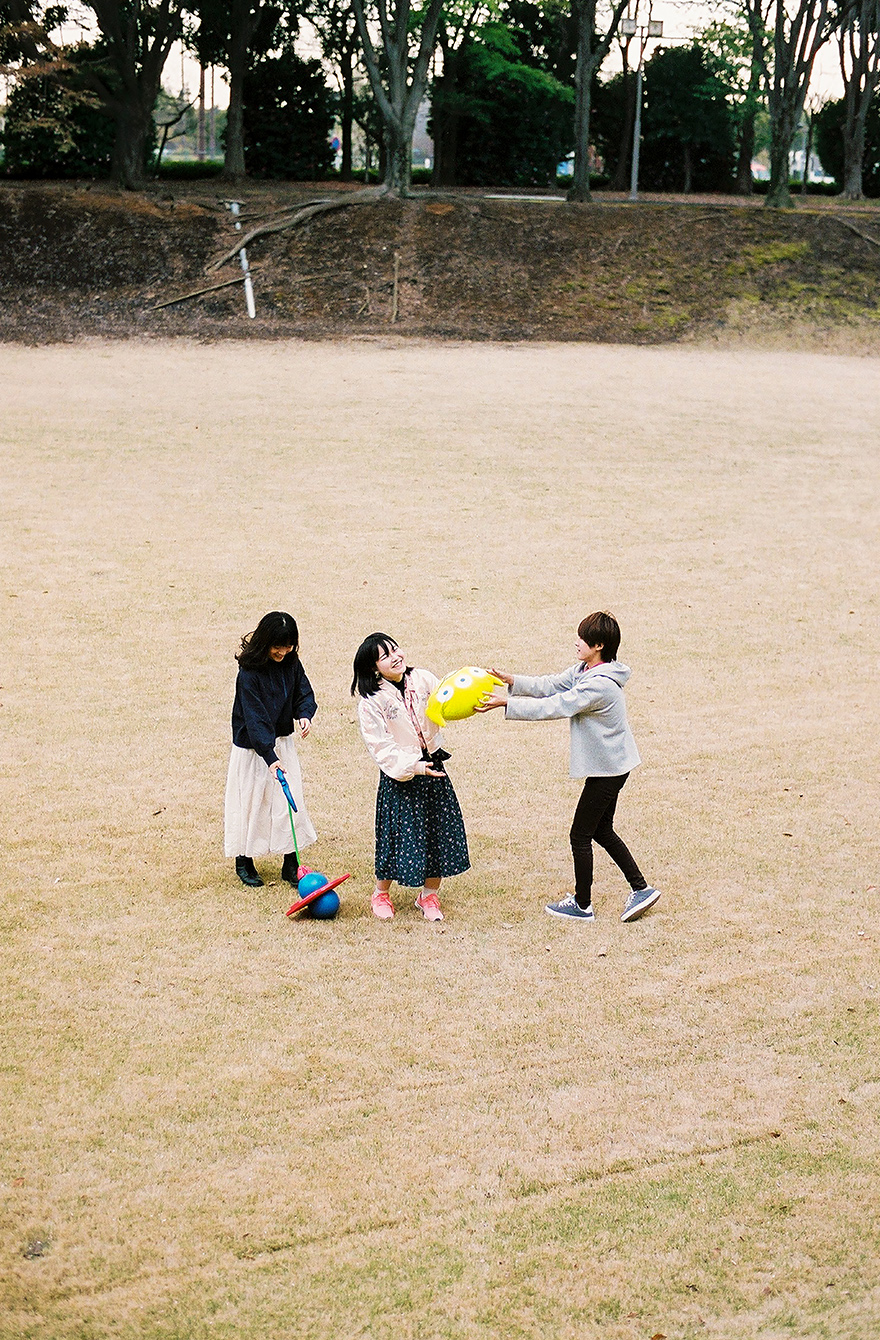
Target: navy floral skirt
(419,831)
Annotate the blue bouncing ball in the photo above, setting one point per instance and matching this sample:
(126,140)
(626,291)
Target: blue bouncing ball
(325,907)
(310,882)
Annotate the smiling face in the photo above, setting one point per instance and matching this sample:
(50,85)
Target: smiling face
(391,663)
(278,653)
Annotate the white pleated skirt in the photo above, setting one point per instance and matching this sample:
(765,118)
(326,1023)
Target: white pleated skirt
(257,816)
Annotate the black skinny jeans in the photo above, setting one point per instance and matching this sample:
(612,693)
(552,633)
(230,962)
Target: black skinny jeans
(594,822)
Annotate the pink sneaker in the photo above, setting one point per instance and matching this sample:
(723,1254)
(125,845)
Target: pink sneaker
(382,906)
(429,906)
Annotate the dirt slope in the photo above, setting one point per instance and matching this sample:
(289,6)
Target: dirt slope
(78,260)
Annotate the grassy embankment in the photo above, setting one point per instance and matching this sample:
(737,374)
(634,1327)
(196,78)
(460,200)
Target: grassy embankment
(81,262)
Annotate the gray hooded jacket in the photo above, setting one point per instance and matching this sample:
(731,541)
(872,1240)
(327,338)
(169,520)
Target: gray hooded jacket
(602,743)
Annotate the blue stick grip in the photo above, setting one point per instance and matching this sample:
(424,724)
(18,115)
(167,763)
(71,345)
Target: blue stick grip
(286,789)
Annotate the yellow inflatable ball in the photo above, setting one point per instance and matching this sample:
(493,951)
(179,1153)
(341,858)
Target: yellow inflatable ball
(456,697)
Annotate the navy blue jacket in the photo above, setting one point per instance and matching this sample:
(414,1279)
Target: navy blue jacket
(268,702)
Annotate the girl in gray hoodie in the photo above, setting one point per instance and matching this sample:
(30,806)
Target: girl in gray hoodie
(603,752)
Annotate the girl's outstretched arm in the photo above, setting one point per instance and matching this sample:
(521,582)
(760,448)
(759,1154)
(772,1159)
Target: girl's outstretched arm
(490,700)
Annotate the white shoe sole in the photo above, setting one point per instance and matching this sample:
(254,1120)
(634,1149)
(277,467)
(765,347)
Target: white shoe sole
(567,916)
(642,907)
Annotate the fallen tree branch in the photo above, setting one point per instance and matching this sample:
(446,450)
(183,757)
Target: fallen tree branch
(197,293)
(858,232)
(300,215)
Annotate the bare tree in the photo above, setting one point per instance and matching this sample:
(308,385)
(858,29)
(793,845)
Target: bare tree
(171,121)
(859,45)
(408,42)
(138,36)
(591,52)
(800,29)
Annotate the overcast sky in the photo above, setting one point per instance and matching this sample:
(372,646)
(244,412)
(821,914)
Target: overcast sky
(679,18)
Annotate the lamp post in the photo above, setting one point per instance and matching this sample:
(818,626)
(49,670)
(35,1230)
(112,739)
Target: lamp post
(653,28)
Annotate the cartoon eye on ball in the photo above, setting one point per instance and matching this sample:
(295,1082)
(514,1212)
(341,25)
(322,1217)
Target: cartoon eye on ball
(456,697)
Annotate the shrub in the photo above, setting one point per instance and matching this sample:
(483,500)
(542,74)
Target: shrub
(53,128)
(287,119)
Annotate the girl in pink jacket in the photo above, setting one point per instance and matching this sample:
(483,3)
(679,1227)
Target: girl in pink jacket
(420,837)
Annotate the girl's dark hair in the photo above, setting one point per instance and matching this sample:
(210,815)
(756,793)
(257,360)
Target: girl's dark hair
(366,680)
(601,630)
(276,629)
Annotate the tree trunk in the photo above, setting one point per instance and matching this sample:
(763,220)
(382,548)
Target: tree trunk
(785,113)
(778,194)
(744,183)
(590,55)
(212,140)
(688,168)
(799,34)
(621,168)
(233,161)
(399,102)
(201,142)
(130,147)
(161,149)
(859,48)
(808,149)
(138,52)
(853,158)
(398,148)
(241,27)
(579,191)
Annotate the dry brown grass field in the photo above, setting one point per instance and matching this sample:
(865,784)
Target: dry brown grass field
(221,1123)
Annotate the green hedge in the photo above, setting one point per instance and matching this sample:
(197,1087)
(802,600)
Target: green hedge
(189,169)
(796,187)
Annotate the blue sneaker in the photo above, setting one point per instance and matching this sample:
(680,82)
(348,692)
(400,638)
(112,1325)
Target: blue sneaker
(567,907)
(638,902)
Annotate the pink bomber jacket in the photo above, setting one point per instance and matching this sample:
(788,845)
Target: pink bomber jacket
(388,729)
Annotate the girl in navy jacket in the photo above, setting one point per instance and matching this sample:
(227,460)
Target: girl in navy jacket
(272,696)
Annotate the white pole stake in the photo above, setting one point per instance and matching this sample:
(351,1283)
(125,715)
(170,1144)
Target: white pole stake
(235,206)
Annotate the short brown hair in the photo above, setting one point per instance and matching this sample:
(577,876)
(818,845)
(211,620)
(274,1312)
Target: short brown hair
(601,630)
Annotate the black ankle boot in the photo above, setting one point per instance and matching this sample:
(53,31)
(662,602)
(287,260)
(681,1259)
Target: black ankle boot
(289,867)
(247,872)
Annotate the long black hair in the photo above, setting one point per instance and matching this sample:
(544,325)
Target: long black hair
(275,629)
(367,680)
